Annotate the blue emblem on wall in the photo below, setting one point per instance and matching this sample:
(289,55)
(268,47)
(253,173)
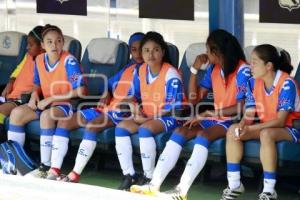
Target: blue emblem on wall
(6,43)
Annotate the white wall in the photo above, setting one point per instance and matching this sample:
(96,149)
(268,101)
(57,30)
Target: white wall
(123,21)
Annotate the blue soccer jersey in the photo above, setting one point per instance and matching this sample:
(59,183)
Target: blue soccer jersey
(74,73)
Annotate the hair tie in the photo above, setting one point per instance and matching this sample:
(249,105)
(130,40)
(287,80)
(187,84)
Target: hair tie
(36,35)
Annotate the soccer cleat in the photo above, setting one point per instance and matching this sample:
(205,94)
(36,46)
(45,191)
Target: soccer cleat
(143,180)
(174,194)
(72,177)
(53,174)
(40,172)
(2,132)
(127,182)
(147,189)
(229,194)
(267,196)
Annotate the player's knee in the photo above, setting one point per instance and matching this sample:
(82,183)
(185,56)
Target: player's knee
(148,126)
(94,127)
(17,115)
(266,136)
(124,125)
(46,115)
(182,131)
(65,124)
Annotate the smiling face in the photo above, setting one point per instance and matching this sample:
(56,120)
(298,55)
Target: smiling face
(53,43)
(152,53)
(258,67)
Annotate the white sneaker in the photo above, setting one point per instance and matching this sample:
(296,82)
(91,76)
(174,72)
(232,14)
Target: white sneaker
(52,176)
(174,194)
(229,194)
(40,172)
(267,196)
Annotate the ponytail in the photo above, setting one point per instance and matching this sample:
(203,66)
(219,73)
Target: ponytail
(285,62)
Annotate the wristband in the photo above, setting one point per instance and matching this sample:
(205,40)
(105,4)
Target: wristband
(193,70)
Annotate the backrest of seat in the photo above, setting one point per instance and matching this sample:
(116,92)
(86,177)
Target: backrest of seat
(297,75)
(73,46)
(174,54)
(103,58)
(188,59)
(247,51)
(12,50)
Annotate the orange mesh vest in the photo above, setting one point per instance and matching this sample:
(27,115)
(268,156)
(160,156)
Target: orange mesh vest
(24,81)
(266,105)
(55,82)
(224,92)
(153,95)
(121,91)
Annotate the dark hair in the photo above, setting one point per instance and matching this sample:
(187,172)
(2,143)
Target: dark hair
(48,28)
(157,38)
(280,58)
(224,44)
(36,33)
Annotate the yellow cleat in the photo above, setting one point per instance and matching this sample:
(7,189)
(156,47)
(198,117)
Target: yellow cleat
(147,189)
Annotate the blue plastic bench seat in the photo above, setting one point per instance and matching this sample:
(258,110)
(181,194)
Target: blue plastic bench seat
(286,151)
(216,148)
(105,137)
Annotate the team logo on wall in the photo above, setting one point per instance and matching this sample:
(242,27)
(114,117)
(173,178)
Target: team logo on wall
(6,43)
(75,7)
(281,11)
(62,1)
(289,4)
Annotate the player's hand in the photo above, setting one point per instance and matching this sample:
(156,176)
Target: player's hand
(242,124)
(140,119)
(200,60)
(44,103)
(32,105)
(194,121)
(243,130)
(211,114)
(34,99)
